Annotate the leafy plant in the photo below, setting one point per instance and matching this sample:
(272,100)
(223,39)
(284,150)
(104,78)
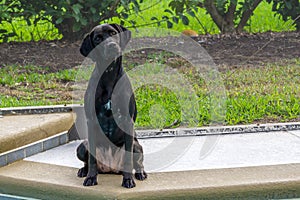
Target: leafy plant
(72,18)
(5,9)
(287,9)
(179,11)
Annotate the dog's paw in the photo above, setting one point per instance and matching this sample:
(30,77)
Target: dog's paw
(90,181)
(128,182)
(82,172)
(141,175)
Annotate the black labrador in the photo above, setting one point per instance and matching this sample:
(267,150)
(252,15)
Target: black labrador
(111,147)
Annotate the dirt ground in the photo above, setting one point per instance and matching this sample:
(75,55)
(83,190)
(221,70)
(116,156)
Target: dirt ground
(226,50)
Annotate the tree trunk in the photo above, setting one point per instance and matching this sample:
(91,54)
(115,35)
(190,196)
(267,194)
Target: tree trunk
(224,23)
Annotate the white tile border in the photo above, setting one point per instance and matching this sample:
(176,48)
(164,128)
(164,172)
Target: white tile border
(219,130)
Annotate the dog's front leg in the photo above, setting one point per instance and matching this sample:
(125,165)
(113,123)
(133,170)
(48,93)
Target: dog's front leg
(93,127)
(91,178)
(128,181)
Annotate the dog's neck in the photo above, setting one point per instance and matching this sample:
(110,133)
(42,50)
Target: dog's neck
(109,78)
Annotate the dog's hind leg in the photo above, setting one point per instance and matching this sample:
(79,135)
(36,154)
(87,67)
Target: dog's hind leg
(82,154)
(82,151)
(138,159)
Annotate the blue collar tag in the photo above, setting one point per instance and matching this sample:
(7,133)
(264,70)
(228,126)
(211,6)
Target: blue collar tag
(107,106)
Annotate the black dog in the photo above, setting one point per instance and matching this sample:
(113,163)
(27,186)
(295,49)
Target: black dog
(113,148)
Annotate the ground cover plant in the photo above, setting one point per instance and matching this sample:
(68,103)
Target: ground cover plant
(31,85)
(267,93)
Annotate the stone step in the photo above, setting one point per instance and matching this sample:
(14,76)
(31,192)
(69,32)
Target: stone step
(19,130)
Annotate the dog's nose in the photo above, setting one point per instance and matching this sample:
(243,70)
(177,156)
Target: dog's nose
(112,50)
(112,46)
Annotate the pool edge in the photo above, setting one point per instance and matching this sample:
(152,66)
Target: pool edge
(46,181)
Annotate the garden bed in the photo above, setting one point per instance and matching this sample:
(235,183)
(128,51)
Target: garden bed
(228,50)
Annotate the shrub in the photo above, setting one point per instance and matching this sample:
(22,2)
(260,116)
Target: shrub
(287,9)
(229,15)
(72,18)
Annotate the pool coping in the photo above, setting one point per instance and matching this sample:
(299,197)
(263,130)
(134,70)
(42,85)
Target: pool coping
(46,181)
(27,110)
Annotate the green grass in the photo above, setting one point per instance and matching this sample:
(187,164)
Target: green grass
(39,76)
(258,94)
(31,85)
(265,94)
(263,20)
(271,93)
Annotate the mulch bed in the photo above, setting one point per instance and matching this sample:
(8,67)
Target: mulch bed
(226,50)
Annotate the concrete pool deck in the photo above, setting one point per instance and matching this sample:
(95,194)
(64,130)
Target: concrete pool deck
(262,165)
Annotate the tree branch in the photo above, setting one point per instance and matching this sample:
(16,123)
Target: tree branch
(112,11)
(231,11)
(246,15)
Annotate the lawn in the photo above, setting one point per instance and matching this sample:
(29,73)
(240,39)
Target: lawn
(258,94)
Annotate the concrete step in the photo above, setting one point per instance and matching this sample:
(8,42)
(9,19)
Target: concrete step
(19,130)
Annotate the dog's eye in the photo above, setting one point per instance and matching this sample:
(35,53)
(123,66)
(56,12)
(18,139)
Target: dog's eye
(98,38)
(111,33)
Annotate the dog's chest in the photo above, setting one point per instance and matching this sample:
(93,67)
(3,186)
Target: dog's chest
(106,119)
(110,159)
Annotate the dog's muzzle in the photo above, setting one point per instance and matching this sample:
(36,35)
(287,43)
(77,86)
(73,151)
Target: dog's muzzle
(112,50)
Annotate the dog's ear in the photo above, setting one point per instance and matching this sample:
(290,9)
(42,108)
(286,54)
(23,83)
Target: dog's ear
(125,34)
(87,44)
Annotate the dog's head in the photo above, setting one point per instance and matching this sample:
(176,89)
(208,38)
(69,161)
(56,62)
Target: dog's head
(105,41)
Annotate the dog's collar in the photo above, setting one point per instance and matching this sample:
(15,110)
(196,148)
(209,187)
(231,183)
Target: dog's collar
(107,106)
(109,69)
